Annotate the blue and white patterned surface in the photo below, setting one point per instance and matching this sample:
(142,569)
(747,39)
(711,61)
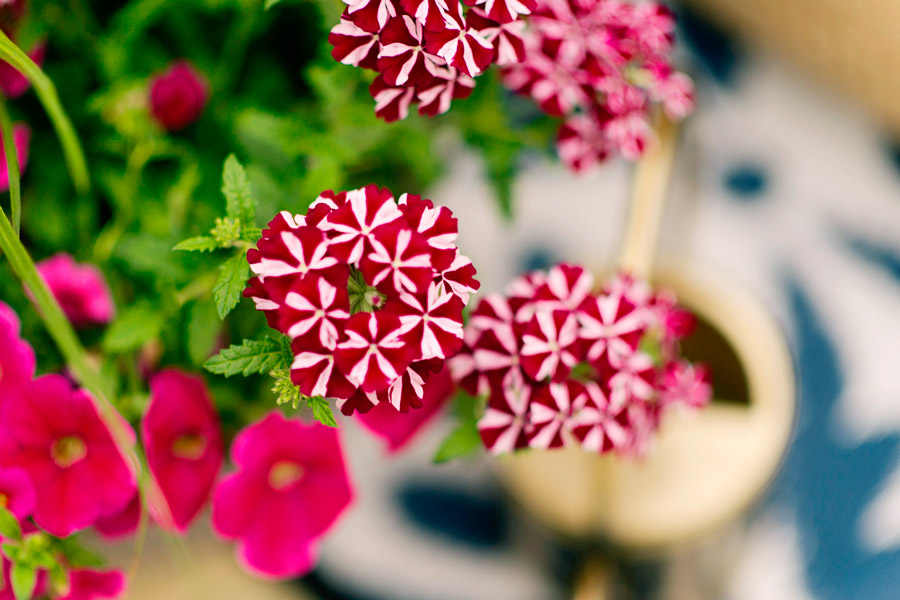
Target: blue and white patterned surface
(781,187)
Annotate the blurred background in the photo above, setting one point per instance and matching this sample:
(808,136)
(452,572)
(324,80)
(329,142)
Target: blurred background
(787,182)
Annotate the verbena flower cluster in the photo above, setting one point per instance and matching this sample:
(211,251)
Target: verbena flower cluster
(601,65)
(562,364)
(370,290)
(427,52)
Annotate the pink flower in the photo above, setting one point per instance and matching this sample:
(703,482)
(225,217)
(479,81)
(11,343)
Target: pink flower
(427,52)
(87,584)
(121,523)
(602,65)
(80,289)
(398,428)
(12,83)
(178,96)
(16,355)
(503,425)
(563,363)
(55,434)
(183,440)
(21,139)
(16,492)
(290,487)
(370,290)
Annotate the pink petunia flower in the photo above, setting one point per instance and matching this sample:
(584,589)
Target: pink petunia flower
(122,522)
(16,492)
(17,361)
(178,96)
(504,423)
(55,434)
(21,139)
(290,487)
(80,289)
(88,584)
(183,440)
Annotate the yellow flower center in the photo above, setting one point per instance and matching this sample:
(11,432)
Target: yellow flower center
(285,474)
(4,500)
(190,446)
(68,450)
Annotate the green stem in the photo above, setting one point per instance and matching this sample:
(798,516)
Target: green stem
(46,92)
(12,166)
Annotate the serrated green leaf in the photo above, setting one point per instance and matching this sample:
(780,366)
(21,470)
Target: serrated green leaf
(322,411)
(233,276)
(9,525)
(253,356)
(203,326)
(237,191)
(132,329)
(201,243)
(462,442)
(23,578)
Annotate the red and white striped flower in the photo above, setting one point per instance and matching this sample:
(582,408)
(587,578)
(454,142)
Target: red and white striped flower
(371,14)
(505,36)
(354,45)
(503,425)
(447,85)
(550,413)
(370,291)
(550,345)
(354,224)
(595,425)
(401,258)
(459,278)
(372,352)
(316,306)
(576,356)
(391,102)
(461,46)
(598,64)
(436,224)
(432,322)
(504,11)
(402,58)
(612,325)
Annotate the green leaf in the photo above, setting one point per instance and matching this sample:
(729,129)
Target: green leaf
(237,191)
(9,525)
(253,356)
(201,243)
(233,276)
(203,326)
(24,578)
(462,442)
(270,3)
(321,410)
(251,234)
(133,328)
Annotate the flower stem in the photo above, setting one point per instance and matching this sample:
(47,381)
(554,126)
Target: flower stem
(651,181)
(12,167)
(46,92)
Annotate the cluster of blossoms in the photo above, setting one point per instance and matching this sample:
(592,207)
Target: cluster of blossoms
(63,470)
(601,65)
(562,364)
(371,292)
(427,52)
